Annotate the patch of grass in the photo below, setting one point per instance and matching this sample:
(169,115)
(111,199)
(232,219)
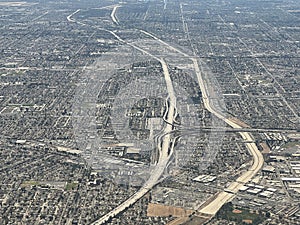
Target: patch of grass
(71,186)
(291,144)
(29,183)
(226,212)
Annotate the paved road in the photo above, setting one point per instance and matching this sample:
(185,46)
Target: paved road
(113,15)
(223,197)
(164,142)
(213,207)
(164,155)
(258,160)
(69,18)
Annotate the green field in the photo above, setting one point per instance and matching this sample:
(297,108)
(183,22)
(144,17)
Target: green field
(71,186)
(30,183)
(226,212)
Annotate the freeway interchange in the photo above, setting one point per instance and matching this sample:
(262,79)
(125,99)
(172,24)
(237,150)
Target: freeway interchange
(166,144)
(165,147)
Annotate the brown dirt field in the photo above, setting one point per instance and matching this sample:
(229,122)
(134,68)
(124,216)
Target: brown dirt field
(163,210)
(236,211)
(247,221)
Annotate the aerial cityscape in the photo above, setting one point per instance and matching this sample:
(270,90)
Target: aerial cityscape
(150,112)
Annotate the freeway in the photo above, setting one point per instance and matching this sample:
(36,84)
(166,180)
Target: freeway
(165,145)
(113,15)
(195,129)
(164,154)
(69,18)
(212,207)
